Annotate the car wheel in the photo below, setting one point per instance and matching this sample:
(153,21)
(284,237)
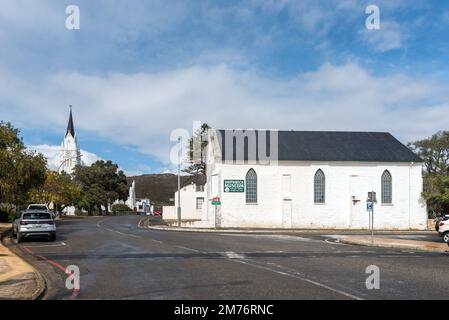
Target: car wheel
(52,237)
(446,237)
(13,233)
(19,237)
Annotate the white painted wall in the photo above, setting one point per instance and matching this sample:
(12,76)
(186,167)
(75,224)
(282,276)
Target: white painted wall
(188,204)
(169,212)
(343,181)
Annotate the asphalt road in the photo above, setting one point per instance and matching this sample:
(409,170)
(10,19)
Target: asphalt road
(117,260)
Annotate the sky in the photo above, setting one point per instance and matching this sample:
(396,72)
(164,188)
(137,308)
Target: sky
(138,71)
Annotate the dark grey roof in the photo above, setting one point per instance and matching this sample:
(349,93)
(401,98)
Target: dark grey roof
(70,126)
(323,146)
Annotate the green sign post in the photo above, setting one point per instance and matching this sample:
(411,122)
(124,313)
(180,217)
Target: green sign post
(234,186)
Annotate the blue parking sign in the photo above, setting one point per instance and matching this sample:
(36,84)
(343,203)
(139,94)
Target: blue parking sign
(369,206)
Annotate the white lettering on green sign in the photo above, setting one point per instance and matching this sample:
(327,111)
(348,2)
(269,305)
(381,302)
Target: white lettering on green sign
(234,186)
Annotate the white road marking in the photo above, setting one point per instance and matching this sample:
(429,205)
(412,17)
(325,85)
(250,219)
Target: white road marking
(294,275)
(62,244)
(233,255)
(112,230)
(189,249)
(335,241)
(272,236)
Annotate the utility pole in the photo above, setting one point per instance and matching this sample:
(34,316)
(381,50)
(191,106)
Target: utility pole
(179,181)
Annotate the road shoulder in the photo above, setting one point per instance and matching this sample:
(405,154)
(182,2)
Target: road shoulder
(18,279)
(386,242)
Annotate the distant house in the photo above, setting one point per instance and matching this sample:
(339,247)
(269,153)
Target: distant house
(193,200)
(306,179)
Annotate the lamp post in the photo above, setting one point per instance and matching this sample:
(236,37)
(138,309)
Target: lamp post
(179,181)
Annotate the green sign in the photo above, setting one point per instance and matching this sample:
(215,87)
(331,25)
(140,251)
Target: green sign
(234,186)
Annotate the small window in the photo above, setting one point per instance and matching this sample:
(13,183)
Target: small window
(320,187)
(199,188)
(199,203)
(251,186)
(387,197)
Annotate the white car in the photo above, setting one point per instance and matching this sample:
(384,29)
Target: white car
(443,229)
(32,224)
(38,206)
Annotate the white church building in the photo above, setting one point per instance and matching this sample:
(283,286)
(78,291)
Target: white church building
(71,155)
(311,179)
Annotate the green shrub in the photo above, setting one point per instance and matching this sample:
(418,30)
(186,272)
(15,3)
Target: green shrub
(118,208)
(7,213)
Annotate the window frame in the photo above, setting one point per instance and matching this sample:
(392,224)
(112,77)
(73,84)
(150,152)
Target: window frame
(202,203)
(386,188)
(319,187)
(251,194)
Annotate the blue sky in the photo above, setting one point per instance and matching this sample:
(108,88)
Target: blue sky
(137,70)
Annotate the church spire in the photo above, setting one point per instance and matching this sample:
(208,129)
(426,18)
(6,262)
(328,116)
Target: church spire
(70,126)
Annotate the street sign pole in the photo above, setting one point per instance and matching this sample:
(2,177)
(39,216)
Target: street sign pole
(372,221)
(216,201)
(370,208)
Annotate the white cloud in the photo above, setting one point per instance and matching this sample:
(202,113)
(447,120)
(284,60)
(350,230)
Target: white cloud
(53,155)
(141,110)
(390,36)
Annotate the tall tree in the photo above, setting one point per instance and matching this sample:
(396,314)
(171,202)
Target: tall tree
(20,170)
(434,151)
(196,152)
(58,189)
(101,184)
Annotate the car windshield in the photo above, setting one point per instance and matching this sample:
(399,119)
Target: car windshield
(37,207)
(36,216)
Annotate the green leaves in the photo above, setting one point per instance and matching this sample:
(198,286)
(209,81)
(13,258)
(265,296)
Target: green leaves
(20,170)
(435,153)
(101,184)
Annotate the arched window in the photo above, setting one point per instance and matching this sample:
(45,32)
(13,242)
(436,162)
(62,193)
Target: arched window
(386,187)
(319,187)
(251,186)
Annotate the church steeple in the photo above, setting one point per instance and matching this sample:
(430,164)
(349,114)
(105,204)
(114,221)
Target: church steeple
(71,155)
(70,126)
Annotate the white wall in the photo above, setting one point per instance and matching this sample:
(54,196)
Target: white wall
(169,212)
(343,180)
(188,203)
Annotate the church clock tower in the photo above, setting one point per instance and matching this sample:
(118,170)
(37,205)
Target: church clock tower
(71,155)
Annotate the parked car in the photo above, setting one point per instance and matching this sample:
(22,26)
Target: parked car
(439,219)
(157,213)
(443,228)
(34,223)
(38,206)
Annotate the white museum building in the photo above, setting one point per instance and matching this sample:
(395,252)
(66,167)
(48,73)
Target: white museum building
(311,179)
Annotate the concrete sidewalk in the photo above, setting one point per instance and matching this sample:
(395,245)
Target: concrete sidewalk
(18,280)
(144,225)
(385,242)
